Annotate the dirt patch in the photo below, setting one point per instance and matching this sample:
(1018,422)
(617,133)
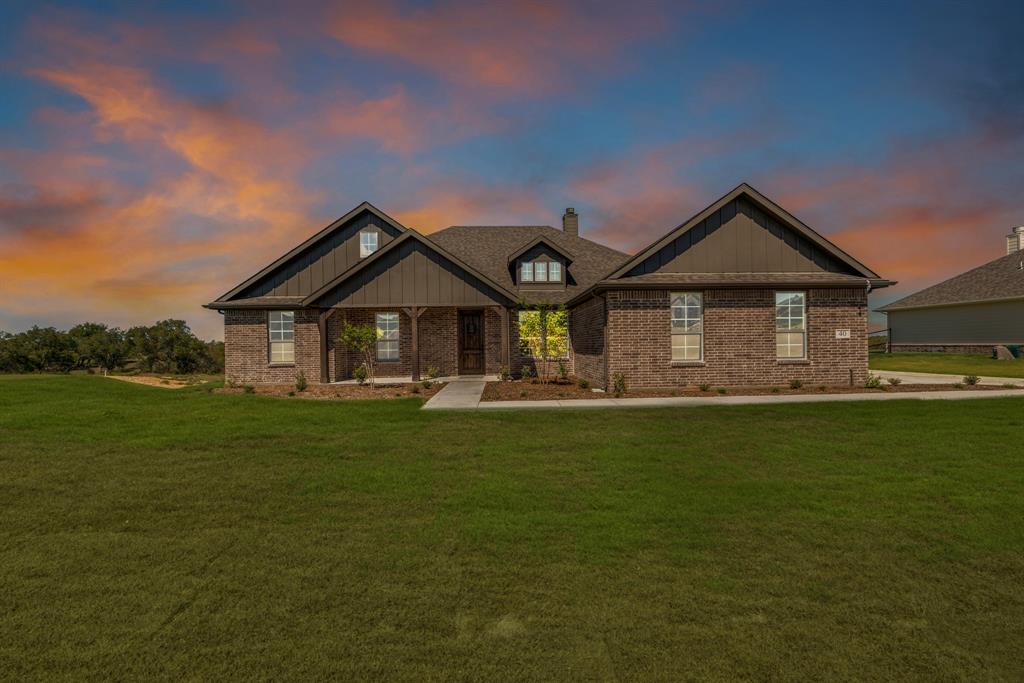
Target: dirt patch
(327,392)
(153,381)
(532,390)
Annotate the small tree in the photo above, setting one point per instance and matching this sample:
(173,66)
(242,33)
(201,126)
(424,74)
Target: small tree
(544,334)
(362,339)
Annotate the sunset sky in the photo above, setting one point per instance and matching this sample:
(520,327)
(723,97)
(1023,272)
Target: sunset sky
(152,155)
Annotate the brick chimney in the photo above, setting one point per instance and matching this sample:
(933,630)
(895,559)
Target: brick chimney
(571,223)
(1015,240)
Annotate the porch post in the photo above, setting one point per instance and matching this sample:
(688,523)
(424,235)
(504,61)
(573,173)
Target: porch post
(414,314)
(506,353)
(325,360)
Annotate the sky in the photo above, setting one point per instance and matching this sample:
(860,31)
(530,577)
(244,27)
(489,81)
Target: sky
(153,155)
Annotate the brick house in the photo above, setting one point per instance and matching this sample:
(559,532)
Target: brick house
(743,293)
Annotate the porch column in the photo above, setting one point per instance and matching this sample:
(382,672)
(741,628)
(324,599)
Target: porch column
(506,355)
(325,360)
(414,314)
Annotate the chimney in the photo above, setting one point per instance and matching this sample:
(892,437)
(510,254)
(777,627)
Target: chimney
(571,223)
(1015,240)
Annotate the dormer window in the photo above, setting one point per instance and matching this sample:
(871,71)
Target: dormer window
(367,243)
(527,272)
(554,272)
(540,271)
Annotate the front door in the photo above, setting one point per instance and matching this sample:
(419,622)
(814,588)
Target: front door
(471,343)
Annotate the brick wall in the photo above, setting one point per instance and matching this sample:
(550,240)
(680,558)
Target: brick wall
(247,348)
(587,340)
(739,339)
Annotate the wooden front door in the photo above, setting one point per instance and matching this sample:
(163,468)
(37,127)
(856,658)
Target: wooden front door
(471,343)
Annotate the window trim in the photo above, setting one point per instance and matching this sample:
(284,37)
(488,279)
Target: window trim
(681,332)
(396,340)
(271,342)
(528,270)
(365,252)
(789,330)
(558,265)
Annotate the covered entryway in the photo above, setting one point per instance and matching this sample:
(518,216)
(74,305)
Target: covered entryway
(471,342)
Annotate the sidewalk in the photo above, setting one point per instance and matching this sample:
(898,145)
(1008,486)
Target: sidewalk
(462,393)
(930,378)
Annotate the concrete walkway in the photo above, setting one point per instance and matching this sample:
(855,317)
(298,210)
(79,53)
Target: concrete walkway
(461,393)
(465,395)
(931,378)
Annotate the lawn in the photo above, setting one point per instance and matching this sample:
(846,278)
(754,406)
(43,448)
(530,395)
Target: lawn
(177,534)
(948,363)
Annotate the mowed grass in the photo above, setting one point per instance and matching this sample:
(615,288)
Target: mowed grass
(156,534)
(948,363)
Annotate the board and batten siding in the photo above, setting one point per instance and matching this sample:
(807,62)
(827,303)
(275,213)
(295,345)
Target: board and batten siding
(740,238)
(997,322)
(322,262)
(412,274)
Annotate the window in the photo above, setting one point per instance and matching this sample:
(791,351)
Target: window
(544,332)
(554,272)
(282,336)
(387,336)
(527,272)
(790,325)
(540,271)
(367,243)
(687,326)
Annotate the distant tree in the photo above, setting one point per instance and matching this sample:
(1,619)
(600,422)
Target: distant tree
(363,339)
(99,346)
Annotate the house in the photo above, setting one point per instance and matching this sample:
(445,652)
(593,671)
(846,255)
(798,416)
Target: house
(742,293)
(968,313)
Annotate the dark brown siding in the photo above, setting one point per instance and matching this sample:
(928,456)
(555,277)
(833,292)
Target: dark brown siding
(412,275)
(985,324)
(740,238)
(323,261)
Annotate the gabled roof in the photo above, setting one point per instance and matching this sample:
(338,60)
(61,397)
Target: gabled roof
(410,234)
(538,240)
(996,280)
(331,228)
(487,247)
(766,204)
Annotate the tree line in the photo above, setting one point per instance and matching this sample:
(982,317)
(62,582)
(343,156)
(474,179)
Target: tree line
(168,346)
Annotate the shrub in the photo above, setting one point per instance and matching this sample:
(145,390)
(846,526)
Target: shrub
(705,387)
(363,340)
(526,372)
(522,394)
(722,390)
(360,374)
(563,371)
(1010,385)
(300,381)
(583,383)
(822,388)
(618,384)
(249,389)
(291,393)
(427,384)
(894,381)
(795,383)
(775,390)
(415,389)
(873,382)
(504,374)
(958,385)
(971,380)
(432,372)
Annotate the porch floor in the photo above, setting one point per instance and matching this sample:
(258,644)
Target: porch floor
(408,379)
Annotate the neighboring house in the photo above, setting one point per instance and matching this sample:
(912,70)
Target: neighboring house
(968,313)
(743,293)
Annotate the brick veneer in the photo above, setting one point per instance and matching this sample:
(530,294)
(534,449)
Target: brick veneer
(587,337)
(739,339)
(247,348)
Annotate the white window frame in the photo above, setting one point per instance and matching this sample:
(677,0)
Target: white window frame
(281,337)
(365,246)
(789,325)
(526,271)
(687,328)
(540,271)
(387,336)
(554,271)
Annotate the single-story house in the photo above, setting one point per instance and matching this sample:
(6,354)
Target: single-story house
(968,313)
(742,293)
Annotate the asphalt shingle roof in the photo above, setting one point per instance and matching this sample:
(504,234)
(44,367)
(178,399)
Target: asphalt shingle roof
(998,279)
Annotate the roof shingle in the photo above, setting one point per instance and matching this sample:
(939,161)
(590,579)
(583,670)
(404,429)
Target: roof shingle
(1002,278)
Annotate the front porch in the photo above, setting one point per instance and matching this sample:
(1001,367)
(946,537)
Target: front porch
(452,341)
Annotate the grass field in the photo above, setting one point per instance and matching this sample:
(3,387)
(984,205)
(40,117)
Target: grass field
(176,534)
(948,363)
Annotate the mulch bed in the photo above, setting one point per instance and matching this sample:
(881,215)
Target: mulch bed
(327,392)
(533,390)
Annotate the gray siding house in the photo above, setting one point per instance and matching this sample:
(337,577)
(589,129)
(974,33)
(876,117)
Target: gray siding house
(968,313)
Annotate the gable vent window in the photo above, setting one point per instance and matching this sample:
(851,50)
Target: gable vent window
(282,336)
(367,243)
(687,326)
(790,325)
(527,271)
(387,336)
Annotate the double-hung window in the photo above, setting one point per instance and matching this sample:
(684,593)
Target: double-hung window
(387,336)
(554,272)
(790,325)
(367,243)
(687,326)
(282,336)
(527,272)
(540,271)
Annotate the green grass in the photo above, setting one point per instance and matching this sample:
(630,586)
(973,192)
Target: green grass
(149,533)
(948,364)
